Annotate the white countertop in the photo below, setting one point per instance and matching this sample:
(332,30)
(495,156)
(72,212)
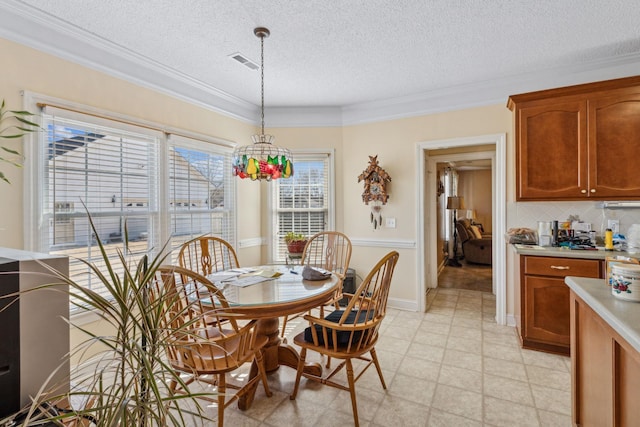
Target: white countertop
(623,316)
(569,253)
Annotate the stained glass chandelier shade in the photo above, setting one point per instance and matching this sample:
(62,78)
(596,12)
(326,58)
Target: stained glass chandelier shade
(262,160)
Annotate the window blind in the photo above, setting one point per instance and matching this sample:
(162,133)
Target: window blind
(161,187)
(201,198)
(302,204)
(112,170)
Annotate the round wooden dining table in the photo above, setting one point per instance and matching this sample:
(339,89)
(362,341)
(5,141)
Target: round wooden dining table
(270,299)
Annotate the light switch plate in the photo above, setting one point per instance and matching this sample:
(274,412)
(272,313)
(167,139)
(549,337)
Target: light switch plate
(390,222)
(614,225)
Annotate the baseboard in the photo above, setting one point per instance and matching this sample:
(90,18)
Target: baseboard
(511,320)
(403,304)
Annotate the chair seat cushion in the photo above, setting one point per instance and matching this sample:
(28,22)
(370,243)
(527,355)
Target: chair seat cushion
(343,337)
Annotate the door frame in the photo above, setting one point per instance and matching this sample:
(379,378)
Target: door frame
(427,230)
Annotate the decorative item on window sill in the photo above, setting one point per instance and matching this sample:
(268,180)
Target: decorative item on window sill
(262,159)
(295,242)
(375,189)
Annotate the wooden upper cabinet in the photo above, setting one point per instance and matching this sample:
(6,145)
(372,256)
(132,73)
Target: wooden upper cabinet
(578,142)
(614,144)
(552,150)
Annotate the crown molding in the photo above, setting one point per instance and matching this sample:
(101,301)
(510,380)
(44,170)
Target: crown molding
(490,92)
(28,26)
(299,117)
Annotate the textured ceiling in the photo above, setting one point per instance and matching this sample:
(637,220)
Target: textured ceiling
(341,53)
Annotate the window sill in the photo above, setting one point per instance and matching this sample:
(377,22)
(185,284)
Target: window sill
(84,317)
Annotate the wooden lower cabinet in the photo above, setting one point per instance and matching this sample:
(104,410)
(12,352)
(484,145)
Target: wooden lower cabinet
(545,323)
(605,371)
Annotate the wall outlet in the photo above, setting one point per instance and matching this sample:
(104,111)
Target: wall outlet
(390,222)
(614,225)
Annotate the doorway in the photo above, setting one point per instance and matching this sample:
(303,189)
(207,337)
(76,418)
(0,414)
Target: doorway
(464,235)
(427,224)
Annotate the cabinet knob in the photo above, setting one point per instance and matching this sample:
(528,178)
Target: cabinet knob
(560,267)
(593,190)
(583,191)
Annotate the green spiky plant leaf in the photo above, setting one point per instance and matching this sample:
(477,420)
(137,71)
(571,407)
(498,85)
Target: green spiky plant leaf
(127,381)
(14,124)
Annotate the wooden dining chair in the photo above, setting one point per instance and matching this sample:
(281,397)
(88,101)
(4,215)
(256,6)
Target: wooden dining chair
(207,254)
(205,352)
(330,250)
(350,333)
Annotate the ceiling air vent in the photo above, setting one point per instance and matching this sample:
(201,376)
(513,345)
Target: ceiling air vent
(244,61)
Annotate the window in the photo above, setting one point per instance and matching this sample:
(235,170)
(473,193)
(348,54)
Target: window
(450,189)
(200,192)
(303,203)
(119,172)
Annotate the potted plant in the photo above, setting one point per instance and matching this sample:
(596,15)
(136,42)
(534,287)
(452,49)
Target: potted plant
(126,383)
(295,242)
(13,124)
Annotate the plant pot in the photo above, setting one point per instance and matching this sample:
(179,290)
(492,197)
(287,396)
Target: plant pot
(296,246)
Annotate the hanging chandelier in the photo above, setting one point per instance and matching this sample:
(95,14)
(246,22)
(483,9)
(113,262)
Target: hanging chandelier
(262,159)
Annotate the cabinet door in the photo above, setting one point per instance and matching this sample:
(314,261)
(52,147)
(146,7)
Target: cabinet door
(551,152)
(614,146)
(605,371)
(626,384)
(547,311)
(592,374)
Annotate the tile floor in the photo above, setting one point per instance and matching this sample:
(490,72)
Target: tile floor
(450,366)
(474,277)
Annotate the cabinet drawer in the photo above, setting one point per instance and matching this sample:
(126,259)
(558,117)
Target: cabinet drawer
(561,267)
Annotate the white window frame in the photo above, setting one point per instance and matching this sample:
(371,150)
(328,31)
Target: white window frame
(298,155)
(33,165)
(229,190)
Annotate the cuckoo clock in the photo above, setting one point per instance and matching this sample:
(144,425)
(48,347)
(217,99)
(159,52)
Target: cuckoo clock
(375,189)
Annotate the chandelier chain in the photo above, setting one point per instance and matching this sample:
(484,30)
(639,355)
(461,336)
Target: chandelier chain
(262,80)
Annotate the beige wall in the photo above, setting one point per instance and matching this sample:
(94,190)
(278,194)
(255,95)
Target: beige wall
(25,69)
(475,187)
(395,143)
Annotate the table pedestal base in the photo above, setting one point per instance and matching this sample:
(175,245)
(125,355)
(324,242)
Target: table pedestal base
(276,353)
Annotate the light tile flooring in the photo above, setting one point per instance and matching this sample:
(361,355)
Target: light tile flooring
(474,277)
(451,366)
